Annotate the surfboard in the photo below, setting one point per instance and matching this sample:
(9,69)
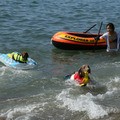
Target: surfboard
(7,60)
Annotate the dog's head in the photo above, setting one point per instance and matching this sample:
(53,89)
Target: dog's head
(25,55)
(84,68)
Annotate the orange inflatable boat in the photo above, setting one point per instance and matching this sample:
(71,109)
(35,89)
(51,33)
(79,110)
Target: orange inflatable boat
(77,41)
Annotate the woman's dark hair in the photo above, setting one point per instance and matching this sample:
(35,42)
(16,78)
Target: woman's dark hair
(111,25)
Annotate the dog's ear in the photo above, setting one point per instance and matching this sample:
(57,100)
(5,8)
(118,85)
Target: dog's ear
(89,69)
(81,72)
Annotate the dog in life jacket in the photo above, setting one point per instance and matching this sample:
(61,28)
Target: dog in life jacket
(20,58)
(82,75)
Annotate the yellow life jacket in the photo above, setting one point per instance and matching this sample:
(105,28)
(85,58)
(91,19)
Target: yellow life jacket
(19,58)
(11,54)
(85,79)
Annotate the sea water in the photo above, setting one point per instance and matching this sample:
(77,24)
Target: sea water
(42,93)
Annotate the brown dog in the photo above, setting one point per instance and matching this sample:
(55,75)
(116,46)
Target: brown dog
(20,58)
(82,75)
(84,68)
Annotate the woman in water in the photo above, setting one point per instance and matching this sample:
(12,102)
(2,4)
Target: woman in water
(112,37)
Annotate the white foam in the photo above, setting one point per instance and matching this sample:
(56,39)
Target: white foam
(2,70)
(22,112)
(5,69)
(81,103)
(116,79)
(71,82)
(7,72)
(87,102)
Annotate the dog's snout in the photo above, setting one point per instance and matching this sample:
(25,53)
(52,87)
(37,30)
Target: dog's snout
(87,68)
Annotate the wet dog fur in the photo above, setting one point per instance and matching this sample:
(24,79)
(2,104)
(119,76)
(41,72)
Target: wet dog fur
(81,71)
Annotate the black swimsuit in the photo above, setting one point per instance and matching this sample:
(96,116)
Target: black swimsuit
(115,40)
